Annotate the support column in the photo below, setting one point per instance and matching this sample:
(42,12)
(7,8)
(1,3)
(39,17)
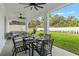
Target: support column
(46,24)
(5,26)
(26,25)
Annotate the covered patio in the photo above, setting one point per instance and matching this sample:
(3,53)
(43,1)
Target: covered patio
(7,51)
(10,12)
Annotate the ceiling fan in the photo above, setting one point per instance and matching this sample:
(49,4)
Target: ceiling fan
(21,17)
(33,5)
(17,22)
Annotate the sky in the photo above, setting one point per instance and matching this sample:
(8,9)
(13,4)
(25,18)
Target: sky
(70,10)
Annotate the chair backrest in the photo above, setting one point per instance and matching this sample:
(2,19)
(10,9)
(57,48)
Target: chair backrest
(15,40)
(47,36)
(44,47)
(48,44)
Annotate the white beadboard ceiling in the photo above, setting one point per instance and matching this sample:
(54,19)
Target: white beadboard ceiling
(13,10)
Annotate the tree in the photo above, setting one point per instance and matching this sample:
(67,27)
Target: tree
(57,21)
(61,21)
(34,23)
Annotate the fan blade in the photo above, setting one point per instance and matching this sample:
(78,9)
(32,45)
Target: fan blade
(40,3)
(22,17)
(35,7)
(39,6)
(26,6)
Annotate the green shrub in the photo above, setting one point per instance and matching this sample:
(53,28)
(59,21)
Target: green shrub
(41,34)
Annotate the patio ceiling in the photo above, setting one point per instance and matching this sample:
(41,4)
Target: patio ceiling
(14,9)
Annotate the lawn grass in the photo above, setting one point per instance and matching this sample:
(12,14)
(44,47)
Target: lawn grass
(67,41)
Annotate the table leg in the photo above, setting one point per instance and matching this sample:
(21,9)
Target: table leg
(24,43)
(32,49)
(29,49)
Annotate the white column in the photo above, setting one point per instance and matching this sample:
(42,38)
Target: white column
(46,24)
(26,25)
(5,27)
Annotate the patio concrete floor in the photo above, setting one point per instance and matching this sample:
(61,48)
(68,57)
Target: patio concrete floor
(61,52)
(7,51)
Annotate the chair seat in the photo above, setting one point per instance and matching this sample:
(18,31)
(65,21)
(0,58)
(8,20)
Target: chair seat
(20,49)
(40,52)
(18,44)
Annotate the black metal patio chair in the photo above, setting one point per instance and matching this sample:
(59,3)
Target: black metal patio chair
(44,47)
(18,45)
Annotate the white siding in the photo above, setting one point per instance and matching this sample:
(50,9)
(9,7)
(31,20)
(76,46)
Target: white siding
(2,14)
(16,28)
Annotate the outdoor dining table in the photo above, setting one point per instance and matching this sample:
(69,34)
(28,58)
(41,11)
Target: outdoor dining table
(29,41)
(33,46)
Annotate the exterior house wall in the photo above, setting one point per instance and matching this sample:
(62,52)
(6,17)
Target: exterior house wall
(2,14)
(16,28)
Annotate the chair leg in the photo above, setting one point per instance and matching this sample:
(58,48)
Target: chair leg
(25,51)
(14,53)
(32,49)
(25,47)
(29,50)
(51,50)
